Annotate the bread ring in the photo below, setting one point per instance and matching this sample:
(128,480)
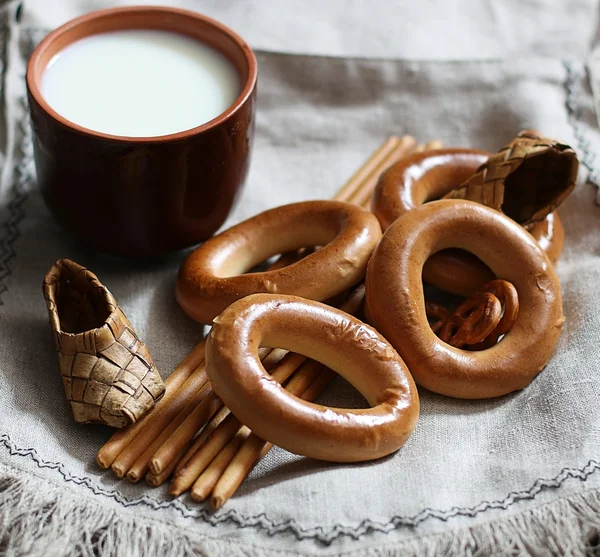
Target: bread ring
(333,337)
(395,302)
(210,278)
(426,176)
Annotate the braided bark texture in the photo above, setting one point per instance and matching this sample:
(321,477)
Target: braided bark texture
(107,371)
(526,180)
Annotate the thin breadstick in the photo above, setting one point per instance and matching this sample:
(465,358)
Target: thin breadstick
(180,435)
(155,480)
(208,406)
(196,464)
(434,144)
(115,445)
(254,448)
(319,384)
(269,363)
(206,432)
(206,481)
(304,377)
(364,174)
(359,177)
(363,195)
(187,475)
(161,418)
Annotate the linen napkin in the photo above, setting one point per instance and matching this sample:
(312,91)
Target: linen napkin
(518,475)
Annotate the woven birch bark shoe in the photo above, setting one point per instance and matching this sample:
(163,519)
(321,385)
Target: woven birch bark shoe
(526,180)
(106,369)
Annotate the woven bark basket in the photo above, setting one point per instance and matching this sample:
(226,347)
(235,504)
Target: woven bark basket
(526,180)
(107,371)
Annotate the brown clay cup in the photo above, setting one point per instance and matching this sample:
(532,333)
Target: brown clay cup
(148,196)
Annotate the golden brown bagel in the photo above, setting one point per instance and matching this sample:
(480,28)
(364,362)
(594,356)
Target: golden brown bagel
(396,307)
(338,340)
(211,278)
(423,177)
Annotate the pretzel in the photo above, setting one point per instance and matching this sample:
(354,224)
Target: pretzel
(480,320)
(423,177)
(338,340)
(438,312)
(506,293)
(395,302)
(472,321)
(211,278)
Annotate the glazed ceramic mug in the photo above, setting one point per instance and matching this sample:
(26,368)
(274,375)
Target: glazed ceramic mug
(142,196)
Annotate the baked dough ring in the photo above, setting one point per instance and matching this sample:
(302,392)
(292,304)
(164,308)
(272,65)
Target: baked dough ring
(210,278)
(395,303)
(338,340)
(426,176)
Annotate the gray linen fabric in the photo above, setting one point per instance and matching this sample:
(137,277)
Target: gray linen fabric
(519,475)
(450,30)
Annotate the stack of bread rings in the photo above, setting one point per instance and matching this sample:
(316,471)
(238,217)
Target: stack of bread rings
(458,244)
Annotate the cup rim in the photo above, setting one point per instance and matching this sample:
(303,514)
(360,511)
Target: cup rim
(34,88)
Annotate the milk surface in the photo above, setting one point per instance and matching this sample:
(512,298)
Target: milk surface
(140,83)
